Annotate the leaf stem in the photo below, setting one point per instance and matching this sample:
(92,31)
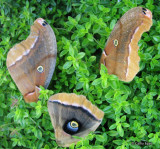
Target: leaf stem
(36,124)
(64,29)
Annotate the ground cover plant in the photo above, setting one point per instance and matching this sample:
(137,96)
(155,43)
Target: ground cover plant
(132,110)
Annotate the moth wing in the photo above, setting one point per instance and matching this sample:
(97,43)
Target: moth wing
(64,107)
(122,59)
(31,63)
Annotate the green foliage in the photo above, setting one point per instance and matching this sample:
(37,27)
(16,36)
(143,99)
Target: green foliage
(81,28)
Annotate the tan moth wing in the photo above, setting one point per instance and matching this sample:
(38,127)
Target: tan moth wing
(31,63)
(120,55)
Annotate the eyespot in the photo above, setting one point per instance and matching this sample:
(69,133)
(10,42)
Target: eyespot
(41,22)
(115,42)
(143,10)
(40,69)
(44,23)
(71,127)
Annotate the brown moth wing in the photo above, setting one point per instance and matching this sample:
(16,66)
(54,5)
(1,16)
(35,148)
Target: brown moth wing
(122,59)
(63,107)
(24,59)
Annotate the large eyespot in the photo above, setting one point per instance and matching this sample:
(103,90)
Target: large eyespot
(143,10)
(44,23)
(115,42)
(40,69)
(71,127)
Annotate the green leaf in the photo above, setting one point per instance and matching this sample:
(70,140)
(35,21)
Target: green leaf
(125,125)
(150,135)
(72,21)
(96,82)
(100,138)
(123,118)
(88,25)
(156,38)
(113,126)
(80,55)
(1,112)
(67,65)
(113,133)
(15,142)
(114,83)
(38,133)
(69,6)
(107,109)
(46,146)
(120,130)
(81,33)
(92,58)
(78,17)
(113,22)
(79,85)
(12,86)
(71,51)
(64,52)
(127,109)
(101,7)
(39,144)
(90,37)
(118,142)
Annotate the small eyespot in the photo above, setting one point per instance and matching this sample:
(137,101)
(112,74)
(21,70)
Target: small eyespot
(40,69)
(115,42)
(144,12)
(44,23)
(144,9)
